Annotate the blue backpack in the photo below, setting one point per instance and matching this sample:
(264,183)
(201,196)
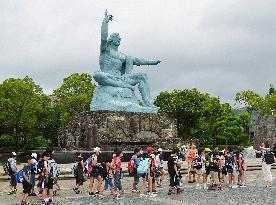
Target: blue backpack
(143,166)
(19,176)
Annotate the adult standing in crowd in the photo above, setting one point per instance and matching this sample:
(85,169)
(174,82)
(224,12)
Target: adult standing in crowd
(266,167)
(12,170)
(95,162)
(191,154)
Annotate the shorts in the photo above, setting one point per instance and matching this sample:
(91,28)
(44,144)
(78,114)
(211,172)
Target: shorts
(108,183)
(49,184)
(229,169)
(95,173)
(136,178)
(13,181)
(223,171)
(206,171)
(26,187)
(173,180)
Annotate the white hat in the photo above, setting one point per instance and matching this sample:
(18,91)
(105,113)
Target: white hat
(152,155)
(13,154)
(160,150)
(97,149)
(34,155)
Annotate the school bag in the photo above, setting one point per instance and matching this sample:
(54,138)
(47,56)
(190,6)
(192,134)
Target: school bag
(269,157)
(53,171)
(19,176)
(74,169)
(7,168)
(229,160)
(89,164)
(143,166)
(40,166)
(131,168)
(197,164)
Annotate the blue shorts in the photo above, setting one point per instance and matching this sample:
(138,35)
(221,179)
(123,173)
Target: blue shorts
(108,183)
(49,184)
(13,180)
(95,173)
(26,187)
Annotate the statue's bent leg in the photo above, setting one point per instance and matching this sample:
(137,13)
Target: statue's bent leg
(143,84)
(106,79)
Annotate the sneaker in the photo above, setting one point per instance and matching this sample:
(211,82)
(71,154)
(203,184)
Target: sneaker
(12,192)
(235,186)
(135,191)
(154,191)
(143,195)
(91,193)
(152,195)
(100,196)
(243,185)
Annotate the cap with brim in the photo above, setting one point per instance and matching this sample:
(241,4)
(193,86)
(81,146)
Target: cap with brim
(207,150)
(160,150)
(13,154)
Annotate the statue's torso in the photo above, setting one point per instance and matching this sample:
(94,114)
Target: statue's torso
(112,62)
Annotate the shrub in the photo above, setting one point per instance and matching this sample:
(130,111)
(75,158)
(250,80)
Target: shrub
(35,143)
(7,140)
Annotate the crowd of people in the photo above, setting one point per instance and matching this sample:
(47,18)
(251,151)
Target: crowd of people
(208,169)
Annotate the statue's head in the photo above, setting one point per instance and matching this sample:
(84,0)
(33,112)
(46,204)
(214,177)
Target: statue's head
(114,39)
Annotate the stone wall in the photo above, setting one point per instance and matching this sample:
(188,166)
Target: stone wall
(265,129)
(108,129)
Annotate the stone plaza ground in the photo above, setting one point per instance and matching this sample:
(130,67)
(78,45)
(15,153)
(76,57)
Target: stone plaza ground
(254,193)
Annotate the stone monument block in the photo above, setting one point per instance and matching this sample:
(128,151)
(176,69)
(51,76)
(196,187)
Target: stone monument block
(108,129)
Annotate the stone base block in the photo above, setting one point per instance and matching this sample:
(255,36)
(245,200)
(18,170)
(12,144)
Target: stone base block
(108,129)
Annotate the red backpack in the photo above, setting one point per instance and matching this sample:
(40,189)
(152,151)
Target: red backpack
(131,167)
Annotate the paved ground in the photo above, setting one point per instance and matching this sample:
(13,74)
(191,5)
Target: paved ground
(254,193)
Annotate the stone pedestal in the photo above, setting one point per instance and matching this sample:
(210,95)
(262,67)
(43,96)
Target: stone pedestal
(108,129)
(265,130)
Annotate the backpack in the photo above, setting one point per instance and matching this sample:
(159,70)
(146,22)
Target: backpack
(269,157)
(40,166)
(7,168)
(197,163)
(229,160)
(89,165)
(143,166)
(131,168)
(53,171)
(19,176)
(74,169)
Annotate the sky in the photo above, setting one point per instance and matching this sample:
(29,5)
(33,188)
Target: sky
(219,47)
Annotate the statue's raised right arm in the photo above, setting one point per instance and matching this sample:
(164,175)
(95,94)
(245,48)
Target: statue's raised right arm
(104,31)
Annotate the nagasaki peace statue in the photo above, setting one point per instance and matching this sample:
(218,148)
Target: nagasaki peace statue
(116,78)
(117,119)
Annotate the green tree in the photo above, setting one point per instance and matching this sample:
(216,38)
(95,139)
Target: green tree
(74,95)
(254,102)
(24,109)
(201,117)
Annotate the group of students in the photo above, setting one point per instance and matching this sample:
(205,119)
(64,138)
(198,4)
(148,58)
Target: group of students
(217,165)
(108,173)
(45,167)
(208,169)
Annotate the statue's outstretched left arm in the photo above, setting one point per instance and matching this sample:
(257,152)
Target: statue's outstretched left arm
(141,61)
